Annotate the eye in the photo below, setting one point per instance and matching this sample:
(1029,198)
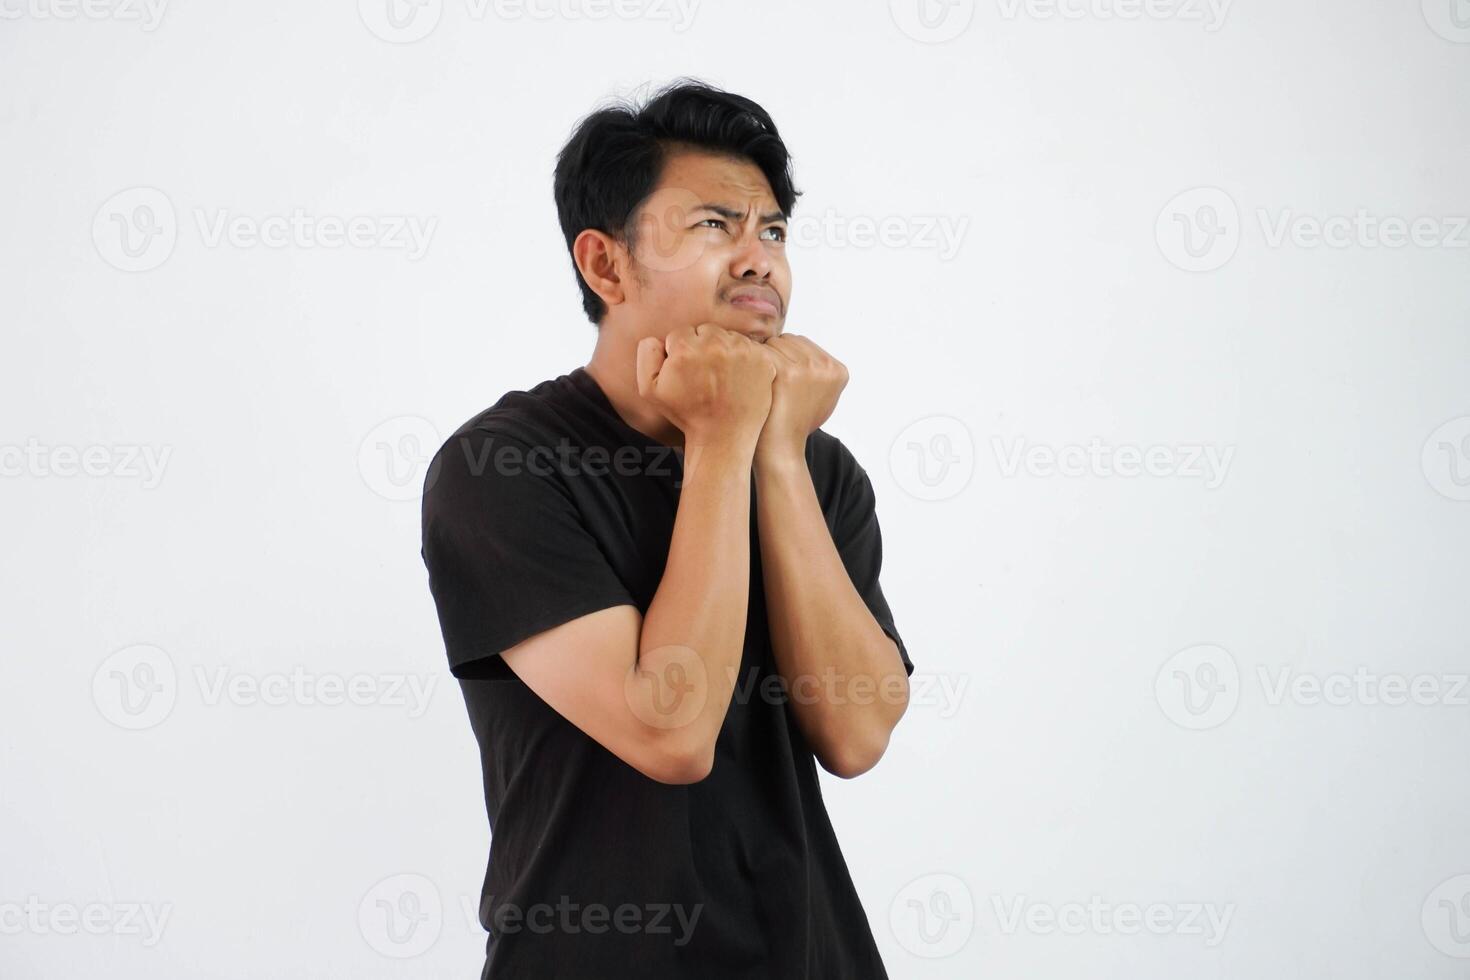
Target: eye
(780,233)
(716,222)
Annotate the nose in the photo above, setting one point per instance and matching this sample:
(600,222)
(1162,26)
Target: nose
(750,258)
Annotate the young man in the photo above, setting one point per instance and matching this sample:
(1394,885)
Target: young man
(657,581)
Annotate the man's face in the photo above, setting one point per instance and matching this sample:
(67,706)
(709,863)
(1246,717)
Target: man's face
(710,247)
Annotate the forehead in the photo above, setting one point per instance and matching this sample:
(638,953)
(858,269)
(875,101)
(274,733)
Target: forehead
(717,178)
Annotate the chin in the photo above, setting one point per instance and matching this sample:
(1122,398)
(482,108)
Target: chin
(757,328)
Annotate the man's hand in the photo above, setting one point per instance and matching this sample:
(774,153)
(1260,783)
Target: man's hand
(713,383)
(808,383)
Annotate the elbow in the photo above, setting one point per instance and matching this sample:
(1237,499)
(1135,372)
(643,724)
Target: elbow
(849,747)
(851,758)
(678,764)
(683,771)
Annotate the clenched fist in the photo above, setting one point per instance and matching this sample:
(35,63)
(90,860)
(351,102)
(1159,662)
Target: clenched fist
(808,383)
(714,384)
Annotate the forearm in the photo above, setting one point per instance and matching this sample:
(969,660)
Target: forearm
(694,631)
(847,684)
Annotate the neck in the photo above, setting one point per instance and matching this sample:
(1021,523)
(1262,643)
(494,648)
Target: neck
(614,366)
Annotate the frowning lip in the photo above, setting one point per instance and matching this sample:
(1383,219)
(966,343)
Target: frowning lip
(757,300)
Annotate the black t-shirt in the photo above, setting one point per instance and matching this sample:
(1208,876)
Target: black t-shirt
(595,870)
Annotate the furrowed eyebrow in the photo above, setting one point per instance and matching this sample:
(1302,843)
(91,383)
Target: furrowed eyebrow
(734,215)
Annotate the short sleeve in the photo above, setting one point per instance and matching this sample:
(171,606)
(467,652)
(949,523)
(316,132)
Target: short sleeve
(859,542)
(507,551)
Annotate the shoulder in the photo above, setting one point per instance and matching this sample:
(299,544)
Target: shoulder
(829,458)
(839,479)
(526,418)
(496,442)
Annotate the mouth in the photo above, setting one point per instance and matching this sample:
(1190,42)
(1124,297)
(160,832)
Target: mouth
(759,303)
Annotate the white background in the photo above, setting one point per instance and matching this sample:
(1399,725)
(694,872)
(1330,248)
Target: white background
(1113,733)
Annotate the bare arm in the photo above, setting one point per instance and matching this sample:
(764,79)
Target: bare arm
(655,690)
(848,686)
(847,683)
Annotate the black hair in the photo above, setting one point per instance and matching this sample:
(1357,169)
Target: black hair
(615,156)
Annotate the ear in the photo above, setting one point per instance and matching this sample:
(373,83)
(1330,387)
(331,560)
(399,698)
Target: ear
(602,261)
